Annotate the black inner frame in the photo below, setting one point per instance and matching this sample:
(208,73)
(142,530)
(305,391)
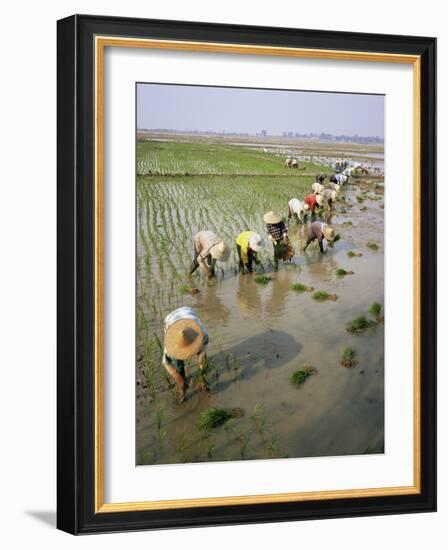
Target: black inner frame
(75,297)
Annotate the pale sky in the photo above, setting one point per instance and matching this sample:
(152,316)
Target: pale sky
(175,107)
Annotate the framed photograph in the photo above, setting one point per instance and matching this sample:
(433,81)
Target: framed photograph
(246,274)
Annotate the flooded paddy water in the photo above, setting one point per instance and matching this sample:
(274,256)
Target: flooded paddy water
(259,334)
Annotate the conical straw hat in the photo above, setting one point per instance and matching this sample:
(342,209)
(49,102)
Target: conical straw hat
(220,251)
(272,217)
(328,233)
(184,339)
(256,243)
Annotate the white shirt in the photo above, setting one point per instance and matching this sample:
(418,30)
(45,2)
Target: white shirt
(295,206)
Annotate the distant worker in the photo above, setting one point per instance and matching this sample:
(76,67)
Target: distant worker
(320,231)
(340,179)
(208,249)
(248,244)
(334,186)
(278,235)
(317,188)
(298,208)
(320,178)
(329,197)
(184,338)
(313,201)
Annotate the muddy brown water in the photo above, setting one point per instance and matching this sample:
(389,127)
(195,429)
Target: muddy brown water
(261,334)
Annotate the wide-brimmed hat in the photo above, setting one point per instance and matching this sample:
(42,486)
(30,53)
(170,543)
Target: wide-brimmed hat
(319,199)
(272,217)
(184,339)
(256,242)
(220,251)
(328,233)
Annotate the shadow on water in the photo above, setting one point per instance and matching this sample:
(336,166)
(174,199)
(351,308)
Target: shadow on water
(268,350)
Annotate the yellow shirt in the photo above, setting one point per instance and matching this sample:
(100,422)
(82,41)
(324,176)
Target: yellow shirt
(243,241)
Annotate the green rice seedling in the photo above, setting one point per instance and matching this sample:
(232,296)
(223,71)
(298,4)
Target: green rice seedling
(348,358)
(382,206)
(340,272)
(352,254)
(299,287)
(349,223)
(323,296)
(375,310)
(259,417)
(360,198)
(372,245)
(363,208)
(337,238)
(212,418)
(359,325)
(262,279)
(298,377)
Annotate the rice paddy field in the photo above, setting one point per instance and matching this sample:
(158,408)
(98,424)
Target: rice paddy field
(289,374)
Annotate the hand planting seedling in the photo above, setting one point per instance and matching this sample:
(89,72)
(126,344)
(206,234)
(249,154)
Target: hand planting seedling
(298,377)
(348,358)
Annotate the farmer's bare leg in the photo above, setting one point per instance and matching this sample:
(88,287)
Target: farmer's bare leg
(179,380)
(195,263)
(309,240)
(275,256)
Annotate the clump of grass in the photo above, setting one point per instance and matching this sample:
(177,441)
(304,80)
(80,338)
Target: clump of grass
(212,418)
(375,310)
(359,198)
(299,287)
(322,296)
(340,272)
(359,325)
(352,254)
(262,279)
(298,377)
(348,358)
(372,245)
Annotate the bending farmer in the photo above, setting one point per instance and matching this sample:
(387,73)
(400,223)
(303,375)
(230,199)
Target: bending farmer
(278,235)
(248,243)
(185,337)
(320,231)
(208,248)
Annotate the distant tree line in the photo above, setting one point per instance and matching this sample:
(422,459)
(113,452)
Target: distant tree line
(323,136)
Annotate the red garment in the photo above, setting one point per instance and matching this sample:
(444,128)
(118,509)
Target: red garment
(311,201)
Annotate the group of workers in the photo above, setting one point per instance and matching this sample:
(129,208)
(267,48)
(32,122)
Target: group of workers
(185,336)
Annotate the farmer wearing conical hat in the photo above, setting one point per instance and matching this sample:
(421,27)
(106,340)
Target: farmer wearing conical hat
(320,231)
(278,235)
(299,208)
(248,244)
(313,201)
(329,197)
(208,249)
(185,338)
